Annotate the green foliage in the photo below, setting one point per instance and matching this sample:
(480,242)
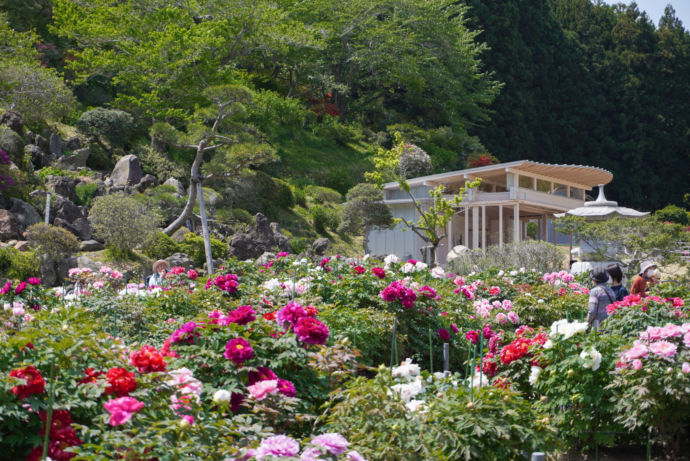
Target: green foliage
(324,218)
(364,208)
(86,193)
(272,109)
(234,215)
(542,256)
(122,221)
(673,213)
(532,230)
(54,241)
(323,195)
(299,245)
(163,200)
(13,144)
(53,171)
(113,126)
(158,164)
(193,246)
(17,264)
(159,246)
(274,194)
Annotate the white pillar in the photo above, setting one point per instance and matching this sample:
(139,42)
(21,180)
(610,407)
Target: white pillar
(500,226)
(449,233)
(466,236)
(516,222)
(483,227)
(475,227)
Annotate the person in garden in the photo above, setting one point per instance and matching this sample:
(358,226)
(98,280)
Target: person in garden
(599,297)
(617,286)
(160,270)
(644,279)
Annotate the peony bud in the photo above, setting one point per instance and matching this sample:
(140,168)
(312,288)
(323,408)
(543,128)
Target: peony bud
(221,397)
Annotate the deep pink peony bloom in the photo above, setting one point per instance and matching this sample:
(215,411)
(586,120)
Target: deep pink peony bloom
(34,281)
(21,287)
(261,374)
(359,270)
(6,289)
(186,333)
(192,274)
(454,328)
(227,283)
(238,350)
(443,333)
(637,364)
(333,442)
(286,388)
(379,272)
(311,331)
(121,409)
(472,336)
(242,315)
(291,313)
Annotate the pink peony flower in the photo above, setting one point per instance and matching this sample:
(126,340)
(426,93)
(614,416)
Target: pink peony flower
(663,348)
(186,333)
(513,317)
(686,367)
(242,315)
(262,389)
(277,446)
(493,291)
(454,328)
(21,287)
(636,352)
(122,409)
(286,388)
(333,442)
(354,456)
(192,274)
(686,339)
(637,364)
(472,336)
(291,313)
(34,281)
(501,318)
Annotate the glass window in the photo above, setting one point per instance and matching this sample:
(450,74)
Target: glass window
(526,182)
(577,193)
(543,186)
(560,189)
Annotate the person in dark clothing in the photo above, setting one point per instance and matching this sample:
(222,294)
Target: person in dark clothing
(599,297)
(617,287)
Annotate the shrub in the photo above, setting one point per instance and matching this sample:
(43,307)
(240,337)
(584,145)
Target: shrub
(159,246)
(270,108)
(112,125)
(122,222)
(158,164)
(542,256)
(193,245)
(54,241)
(17,264)
(86,193)
(413,162)
(342,133)
(323,195)
(673,213)
(299,244)
(324,218)
(274,194)
(300,196)
(234,215)
(163,199)
(52,171)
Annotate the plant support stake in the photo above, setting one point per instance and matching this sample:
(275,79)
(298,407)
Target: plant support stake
(47,213)
(446,359)
(204,226)
(395,325)
(431,354)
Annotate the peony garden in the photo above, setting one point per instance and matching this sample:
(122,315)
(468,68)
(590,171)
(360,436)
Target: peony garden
(338,359)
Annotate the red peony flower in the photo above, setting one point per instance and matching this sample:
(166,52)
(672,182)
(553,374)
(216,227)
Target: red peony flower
(238,350)
(312,311)
(359,270)
(192,274)
(21,287)
(515,350)
(91,376)
(166,351)
(34,281)
(502,382)
(472,336)
(311,331)
(147,359)
(379,272)
(443,333)
(120,382)
(489,365)
(242,315)
(270,316)
(35,384)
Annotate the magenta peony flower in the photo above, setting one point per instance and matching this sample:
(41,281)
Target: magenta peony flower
(277,446)
(186,333)
(291,313)
(454,328)
(379,272)
(121,409)
(663,349)
(311,331)
(354,456)
(6,289)
(286,388)
(192,274)
(34,281)
(472,336)
(21,287)
(261,374)
(238,350)
(443,333)
(242,315)
(333,442)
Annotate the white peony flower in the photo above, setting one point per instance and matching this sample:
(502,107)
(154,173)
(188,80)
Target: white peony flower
(390,259)
(420,266)
(272,284)
(407,268)
(408,390)
(406,370)
(222,397)
(591,359)
(438,272)
(415,405)
(534,375)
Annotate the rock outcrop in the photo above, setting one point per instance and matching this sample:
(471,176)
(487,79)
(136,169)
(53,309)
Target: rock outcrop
(263,237)
(127,171)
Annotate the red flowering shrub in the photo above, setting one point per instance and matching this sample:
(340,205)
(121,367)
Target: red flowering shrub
(477,160)
(35,384)
(226,283)
(515,350)
(120,382)
(238,350)
(311,331)
(91,376)
(147,359)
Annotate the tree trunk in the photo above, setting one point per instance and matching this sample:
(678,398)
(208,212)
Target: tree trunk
(191,198)
(365,238)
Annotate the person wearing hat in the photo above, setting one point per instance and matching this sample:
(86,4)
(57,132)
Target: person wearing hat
(599,297)
(645,279)
(160,270)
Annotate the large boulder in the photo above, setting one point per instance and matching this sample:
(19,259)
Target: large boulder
(73,143)
(25,214)
(63,186)
(320,246)
(76,160)
(147,182)
(55,146)
(12,143)
(9,227)
(42,142)
(91,245)
(39,158)
(456,252)
(263,237)
(79,227)
(181,260)
(13,120)
(127,171)
(177,185)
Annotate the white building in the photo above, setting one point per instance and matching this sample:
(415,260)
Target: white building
(510,196)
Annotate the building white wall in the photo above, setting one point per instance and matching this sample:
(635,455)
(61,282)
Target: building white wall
(405,244)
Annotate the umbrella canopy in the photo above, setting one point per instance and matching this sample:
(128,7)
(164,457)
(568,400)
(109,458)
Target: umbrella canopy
(602,209)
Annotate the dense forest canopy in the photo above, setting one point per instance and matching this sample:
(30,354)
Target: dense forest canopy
(561,81)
